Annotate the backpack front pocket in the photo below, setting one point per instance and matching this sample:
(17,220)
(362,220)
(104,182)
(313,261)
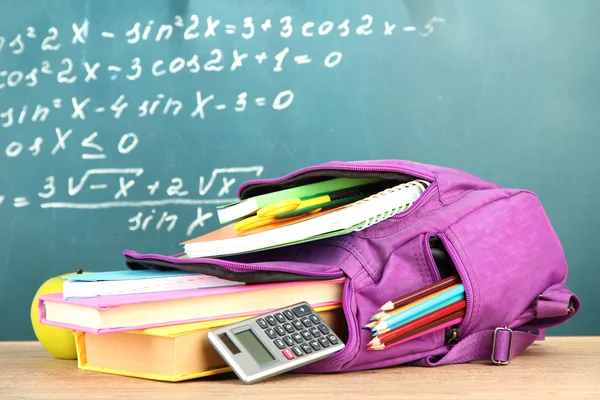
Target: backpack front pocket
(508,255)
(444,263)
(407,270)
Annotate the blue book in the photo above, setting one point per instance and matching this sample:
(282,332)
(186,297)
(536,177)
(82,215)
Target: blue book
(123,282)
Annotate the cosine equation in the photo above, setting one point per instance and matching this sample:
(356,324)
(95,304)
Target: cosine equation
(217,60)
(201,28)
(92,147)
(81,108)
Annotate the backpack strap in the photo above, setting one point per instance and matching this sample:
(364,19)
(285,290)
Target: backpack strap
(499,345)
(554,306)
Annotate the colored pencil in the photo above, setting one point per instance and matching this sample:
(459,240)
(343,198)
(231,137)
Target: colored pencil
(397,324)
(439,300)
(443,323)
(383,315)
(419,322)
(370,325)
(419,293)
(403,309)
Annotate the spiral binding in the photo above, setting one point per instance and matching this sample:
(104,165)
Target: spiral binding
(420,184)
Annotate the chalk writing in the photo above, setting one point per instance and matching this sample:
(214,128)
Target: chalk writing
(166,220)
(97,134)
(202,28)
(124,180)
(125,188)
(216,60)
(92,146)
(160,105)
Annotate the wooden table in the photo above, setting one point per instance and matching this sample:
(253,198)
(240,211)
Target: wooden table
(557,368)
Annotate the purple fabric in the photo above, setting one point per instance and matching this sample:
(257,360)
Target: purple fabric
(503,246)
(479,346)
(556,301)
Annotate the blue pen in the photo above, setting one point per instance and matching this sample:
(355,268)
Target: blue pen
(435,303)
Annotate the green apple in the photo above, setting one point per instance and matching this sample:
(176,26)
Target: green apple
(59,342)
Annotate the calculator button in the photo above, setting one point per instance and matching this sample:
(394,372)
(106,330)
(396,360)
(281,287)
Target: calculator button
(288,354)
(290,342)
(297,337)
(315,332)
(315,345)
(271,333)
(279,330)
(301,311)
(262,323)
(279,317)
(306,335)
(324,342)
(297,351)
(306,322)
(279,343)
(332,339)
(289,315)
(306,348)
(297,324)
(324,329)
(271,320)
(289,327)
(315,320)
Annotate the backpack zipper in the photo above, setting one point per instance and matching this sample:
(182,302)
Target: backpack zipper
(464,280)
(452,337)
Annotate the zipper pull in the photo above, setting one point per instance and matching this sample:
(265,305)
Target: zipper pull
(452,337)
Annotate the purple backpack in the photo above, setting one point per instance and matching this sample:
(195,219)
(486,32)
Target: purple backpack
(499,241)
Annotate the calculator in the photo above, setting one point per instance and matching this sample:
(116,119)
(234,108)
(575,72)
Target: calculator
(276,342)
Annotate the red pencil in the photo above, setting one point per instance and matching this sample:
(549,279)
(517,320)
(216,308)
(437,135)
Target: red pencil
(419,322)
(448,320)
(420,293)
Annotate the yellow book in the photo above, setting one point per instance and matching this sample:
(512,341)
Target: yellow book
(169,353)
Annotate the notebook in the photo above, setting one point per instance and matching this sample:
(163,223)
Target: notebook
(242,208)
(337,221)
(137,311)
(170,353)
(113,283)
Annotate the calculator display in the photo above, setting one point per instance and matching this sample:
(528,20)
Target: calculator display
(254,346)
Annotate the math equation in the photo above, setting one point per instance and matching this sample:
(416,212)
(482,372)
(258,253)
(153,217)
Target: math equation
(94,134)
(149,198)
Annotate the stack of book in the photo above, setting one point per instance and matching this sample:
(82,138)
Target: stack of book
(153,323)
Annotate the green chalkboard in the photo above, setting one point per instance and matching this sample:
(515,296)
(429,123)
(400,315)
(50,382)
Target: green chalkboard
(123,124)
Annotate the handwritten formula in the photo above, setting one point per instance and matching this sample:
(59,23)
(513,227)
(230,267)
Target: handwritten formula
(73,119)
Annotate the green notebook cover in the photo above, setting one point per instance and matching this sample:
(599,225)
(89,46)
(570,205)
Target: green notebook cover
(231,212)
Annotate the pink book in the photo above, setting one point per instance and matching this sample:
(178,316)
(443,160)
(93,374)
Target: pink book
(139,311)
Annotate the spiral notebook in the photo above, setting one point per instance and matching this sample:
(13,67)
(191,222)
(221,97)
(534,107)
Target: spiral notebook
(337,221)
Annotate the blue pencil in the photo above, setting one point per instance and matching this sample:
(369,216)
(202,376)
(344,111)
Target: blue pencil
(435,303)
(452,300)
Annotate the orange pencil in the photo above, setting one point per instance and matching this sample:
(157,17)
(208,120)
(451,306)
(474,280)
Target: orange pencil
(419,322)
(431,327)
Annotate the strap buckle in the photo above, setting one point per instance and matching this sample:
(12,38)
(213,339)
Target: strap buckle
(510,343)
